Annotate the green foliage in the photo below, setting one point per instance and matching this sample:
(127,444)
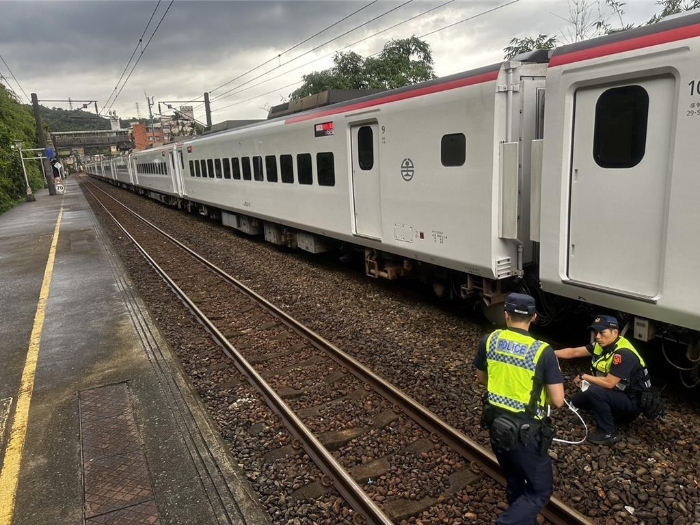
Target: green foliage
(401,63)
(673,7)
(517,46)
(59,119)
(16,124)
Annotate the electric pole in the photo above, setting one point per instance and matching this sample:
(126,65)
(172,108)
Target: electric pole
(48,170)
(207,109)
(150,113)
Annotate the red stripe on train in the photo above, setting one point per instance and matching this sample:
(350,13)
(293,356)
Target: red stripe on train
(656,39)
(453,84)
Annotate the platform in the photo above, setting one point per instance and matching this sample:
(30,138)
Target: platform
(97,422)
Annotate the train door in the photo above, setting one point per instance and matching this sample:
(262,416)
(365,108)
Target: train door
(365,180)
(619,175)
(174,172)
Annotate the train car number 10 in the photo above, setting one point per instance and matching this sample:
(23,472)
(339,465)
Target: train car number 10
(694,87)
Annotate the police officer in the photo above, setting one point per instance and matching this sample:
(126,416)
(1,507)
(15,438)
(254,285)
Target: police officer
(521,375)
(619,376)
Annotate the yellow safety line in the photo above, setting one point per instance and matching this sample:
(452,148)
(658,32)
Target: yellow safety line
(9,476)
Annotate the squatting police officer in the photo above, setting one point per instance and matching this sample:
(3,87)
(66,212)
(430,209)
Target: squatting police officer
(619,377)
(522,376)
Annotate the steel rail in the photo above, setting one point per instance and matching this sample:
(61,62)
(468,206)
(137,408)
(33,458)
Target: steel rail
(343,482)
(556,511)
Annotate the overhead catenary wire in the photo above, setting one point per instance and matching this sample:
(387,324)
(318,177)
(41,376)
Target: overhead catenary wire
(15,78)
(132,54)
(141,55)
(294,46)
(325,56)
(321,45)
(350,45)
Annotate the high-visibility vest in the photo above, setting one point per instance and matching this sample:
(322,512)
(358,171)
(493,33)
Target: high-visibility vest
(511,361)
(602,363)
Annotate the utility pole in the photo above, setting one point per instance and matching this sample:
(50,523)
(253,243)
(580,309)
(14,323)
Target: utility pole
(207,109)
(48,171)
(150,113)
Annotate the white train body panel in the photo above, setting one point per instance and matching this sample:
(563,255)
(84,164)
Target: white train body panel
(447,216)
(622,229)
(153,169)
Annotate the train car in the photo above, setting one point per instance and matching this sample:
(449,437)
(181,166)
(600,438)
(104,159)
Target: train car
(472,182)
(157,171)
(620,221)
(428,174)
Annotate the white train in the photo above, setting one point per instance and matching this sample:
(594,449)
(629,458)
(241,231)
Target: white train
(472,181)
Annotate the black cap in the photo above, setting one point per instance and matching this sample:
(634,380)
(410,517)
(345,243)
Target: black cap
(520,303)
(603,322)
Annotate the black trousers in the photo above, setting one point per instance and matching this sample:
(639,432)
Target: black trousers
(529,483)
(607,406)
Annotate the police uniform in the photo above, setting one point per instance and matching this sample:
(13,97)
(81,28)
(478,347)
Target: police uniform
(514,362)
(620,404)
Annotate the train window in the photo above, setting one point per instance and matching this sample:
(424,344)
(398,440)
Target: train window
(210,166)
(197,168)
(217,168)
(191,168)
(227,169)
(236,166)
(203,164)
(182,160)
(257,168)
(271,168)
(620,135)
(304,170)
(453,149)
(287,168)
(325,169)
(365,148)
(246,167)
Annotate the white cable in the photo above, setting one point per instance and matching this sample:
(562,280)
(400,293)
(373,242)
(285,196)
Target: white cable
(585,427)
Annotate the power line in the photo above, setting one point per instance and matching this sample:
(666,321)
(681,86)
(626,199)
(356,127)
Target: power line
(294,46)
(319,46)
(141,55)
(471,17)
(13,76)
(258,96)
(350,45)
(132,54)
(330,54)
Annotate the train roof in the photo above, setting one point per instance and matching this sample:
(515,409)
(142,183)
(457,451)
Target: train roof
(670,29)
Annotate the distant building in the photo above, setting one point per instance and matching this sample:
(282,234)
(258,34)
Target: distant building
(144,138)
(178,125)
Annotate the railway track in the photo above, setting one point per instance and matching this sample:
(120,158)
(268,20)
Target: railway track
(331,405)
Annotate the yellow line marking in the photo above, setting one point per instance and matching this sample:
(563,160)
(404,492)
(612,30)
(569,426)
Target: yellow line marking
(9,476)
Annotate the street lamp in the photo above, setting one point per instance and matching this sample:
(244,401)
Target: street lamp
(30,195)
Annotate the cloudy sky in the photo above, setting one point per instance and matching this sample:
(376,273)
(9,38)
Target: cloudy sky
(79,49)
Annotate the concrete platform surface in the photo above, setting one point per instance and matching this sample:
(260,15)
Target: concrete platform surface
(97,422)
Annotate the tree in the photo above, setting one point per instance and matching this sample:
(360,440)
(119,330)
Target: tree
(673,7)
(16,124)
(400,63)
(591,18)
(517,46)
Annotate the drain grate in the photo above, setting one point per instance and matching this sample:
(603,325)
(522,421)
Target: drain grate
(117,483)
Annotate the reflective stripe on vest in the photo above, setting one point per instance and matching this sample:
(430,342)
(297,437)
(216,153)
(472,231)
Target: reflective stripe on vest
(602,363)
(511,361)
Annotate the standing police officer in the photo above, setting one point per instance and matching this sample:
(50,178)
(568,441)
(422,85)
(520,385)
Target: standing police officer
(619,378)
(522,376)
